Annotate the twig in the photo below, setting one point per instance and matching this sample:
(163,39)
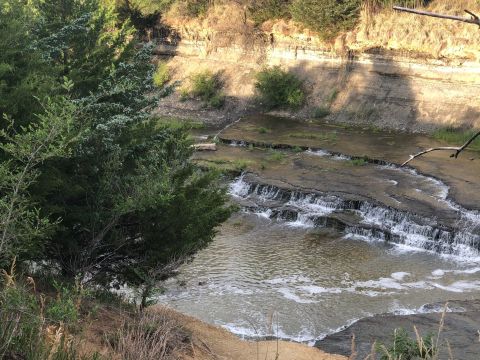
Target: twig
(457,149)
(474,20)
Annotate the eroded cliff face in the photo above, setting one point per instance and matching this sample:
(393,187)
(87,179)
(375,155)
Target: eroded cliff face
(359,82)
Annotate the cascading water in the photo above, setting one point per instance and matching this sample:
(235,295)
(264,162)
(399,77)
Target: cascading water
(374,221)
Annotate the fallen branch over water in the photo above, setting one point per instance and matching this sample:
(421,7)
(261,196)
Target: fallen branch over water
(457,149)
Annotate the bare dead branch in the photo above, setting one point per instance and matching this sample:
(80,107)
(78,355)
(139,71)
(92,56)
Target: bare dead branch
(457,149)
(473,20)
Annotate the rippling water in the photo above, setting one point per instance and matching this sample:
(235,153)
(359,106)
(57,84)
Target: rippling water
(262,277)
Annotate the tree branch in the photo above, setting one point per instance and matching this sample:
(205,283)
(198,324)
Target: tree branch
(457,149)
(474,20)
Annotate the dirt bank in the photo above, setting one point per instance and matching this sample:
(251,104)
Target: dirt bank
(212,342)
(202,341)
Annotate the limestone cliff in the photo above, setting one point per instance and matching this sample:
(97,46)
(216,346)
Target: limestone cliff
(428,78)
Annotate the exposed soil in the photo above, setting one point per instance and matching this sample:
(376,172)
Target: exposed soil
(207,342)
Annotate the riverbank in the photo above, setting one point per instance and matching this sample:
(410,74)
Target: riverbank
(198,340)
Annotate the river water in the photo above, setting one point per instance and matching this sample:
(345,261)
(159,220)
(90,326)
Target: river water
(269,276)
(320,243)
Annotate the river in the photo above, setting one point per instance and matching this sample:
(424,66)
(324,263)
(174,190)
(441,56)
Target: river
(307,256)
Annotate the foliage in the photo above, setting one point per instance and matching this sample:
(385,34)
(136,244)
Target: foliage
(66,305)
(327,17)
(278,88)
(93,184)
(23,227)
(26,332)
(206,86)
(276,155)
(263,10)
(404,347)
(84,40)
(161,75)
(25,77)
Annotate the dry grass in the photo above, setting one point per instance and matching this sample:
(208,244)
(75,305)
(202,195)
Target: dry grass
(150,336)
(431,37)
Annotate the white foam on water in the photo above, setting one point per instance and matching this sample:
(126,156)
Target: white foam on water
(318,152)
(460,286)
(302,221)
(438,272)
(315,290)
(266,214)
(238,143)
(382,283)
(400,275)
(292,279)
(290,295)
(239,187)
(341,157)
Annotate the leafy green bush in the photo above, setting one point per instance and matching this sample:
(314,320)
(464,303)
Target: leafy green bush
(64,308)
(327,17)
(263,10)
(278,88)
(206,86)
(217,101)
(161,75)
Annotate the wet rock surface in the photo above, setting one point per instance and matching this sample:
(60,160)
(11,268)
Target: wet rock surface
(460,329)
(461,174)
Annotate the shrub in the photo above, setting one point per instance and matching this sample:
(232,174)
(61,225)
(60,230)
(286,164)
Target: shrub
(263,10)
(321,112)
(216,101)
(161,75)
(65,307)
(327,17)
(207,86)
(278,88)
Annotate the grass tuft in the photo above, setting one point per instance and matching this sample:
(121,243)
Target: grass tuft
(456,136)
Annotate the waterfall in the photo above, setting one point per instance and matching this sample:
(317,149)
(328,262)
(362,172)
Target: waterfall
(363,219)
